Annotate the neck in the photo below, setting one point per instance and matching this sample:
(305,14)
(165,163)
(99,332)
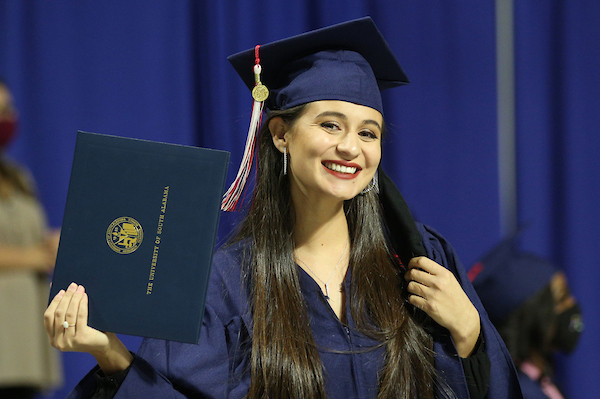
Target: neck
(323,248)
(320,226)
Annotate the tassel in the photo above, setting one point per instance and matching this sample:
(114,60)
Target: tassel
(231,198)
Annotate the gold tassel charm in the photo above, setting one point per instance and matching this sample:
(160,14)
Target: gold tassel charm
(260,92)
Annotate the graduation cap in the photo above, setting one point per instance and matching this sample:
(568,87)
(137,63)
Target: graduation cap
(350,61)
(505,278)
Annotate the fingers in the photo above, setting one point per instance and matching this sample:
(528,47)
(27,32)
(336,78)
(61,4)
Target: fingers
(62,315)
(72,312)
(426,281)
(435,290)
(61,310)
(82,314)
(424,264)
(49,313)
(66,323)
(419,277)
(419,301)
(428,273)
(415,288)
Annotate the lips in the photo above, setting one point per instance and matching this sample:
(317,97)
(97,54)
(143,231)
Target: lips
(343,169)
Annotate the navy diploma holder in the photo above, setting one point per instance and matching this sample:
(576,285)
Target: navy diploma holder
(139,233)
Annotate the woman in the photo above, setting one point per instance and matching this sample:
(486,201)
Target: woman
(310,298)
(535,313)
(27,254)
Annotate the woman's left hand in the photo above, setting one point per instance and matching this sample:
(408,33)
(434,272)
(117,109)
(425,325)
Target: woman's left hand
(435,290)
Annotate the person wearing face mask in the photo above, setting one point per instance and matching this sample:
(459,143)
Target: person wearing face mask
(27,253)
(535,313)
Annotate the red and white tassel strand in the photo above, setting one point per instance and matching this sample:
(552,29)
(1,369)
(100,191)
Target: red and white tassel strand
(231,198)
(233,194)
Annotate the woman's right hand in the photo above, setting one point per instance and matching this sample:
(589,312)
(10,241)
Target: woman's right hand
(70,308)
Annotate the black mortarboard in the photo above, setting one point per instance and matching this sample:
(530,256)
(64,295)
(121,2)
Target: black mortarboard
(350,61)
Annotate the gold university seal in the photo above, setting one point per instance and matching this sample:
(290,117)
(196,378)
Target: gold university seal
(124,235)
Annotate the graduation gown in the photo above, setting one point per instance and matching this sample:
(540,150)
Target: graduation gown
(218,366)
(531,389)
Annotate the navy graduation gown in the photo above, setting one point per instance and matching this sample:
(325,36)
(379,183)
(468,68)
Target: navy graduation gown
(531,389)
(218,367)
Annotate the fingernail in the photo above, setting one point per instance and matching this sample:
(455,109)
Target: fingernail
(72,287)
(80,288)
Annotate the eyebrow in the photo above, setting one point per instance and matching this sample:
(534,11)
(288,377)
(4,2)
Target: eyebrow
(345,118)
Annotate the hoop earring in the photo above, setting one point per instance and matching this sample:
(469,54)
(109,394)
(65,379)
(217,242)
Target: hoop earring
(373,185)
(285,161)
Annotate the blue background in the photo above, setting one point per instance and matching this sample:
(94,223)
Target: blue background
(157,70)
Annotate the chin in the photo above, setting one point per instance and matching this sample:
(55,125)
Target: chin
(345,194)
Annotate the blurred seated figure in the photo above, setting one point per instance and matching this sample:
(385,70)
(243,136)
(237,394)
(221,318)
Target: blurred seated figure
(27,254)
(528,300)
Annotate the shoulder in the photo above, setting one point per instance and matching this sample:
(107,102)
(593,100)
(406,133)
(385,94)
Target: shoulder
(431,237)
(227,290)
(437,247)
(229,262)
(229,254)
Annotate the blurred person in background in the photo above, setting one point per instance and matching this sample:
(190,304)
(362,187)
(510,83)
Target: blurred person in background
(529,301)
(28,365)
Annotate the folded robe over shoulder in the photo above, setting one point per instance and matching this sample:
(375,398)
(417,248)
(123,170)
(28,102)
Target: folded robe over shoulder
(218,367)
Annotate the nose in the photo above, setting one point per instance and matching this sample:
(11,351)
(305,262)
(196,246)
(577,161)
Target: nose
(349,146)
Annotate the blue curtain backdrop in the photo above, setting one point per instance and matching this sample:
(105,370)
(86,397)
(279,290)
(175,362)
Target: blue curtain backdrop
(157,70)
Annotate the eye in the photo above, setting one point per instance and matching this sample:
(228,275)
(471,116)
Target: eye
(330,126)
(368,135)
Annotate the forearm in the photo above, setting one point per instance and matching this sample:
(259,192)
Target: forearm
(115,358)
(465,336)
(14,257)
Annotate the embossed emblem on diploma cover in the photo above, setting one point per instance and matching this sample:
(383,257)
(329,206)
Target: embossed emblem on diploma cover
(124,235)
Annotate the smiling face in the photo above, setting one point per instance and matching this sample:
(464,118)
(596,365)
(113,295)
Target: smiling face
(334,150)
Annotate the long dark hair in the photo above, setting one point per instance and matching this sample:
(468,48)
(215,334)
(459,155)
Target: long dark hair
(285,362)
(530,328)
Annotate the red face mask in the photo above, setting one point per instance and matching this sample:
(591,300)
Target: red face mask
(8,128)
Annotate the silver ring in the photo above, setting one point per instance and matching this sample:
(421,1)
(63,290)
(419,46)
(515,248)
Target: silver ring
(67,325)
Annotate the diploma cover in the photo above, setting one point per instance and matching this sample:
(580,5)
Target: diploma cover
(139,233)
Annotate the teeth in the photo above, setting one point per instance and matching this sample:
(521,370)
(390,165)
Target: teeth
(340,168)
